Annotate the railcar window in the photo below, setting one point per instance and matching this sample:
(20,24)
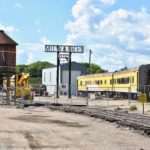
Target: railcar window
(113,81)
(88,82)
(110,81)
(97,82)
(122,80)
(118,81)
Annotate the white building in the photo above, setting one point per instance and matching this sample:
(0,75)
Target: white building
(49,77)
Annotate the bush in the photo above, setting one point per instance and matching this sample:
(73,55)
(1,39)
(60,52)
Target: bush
(133,107)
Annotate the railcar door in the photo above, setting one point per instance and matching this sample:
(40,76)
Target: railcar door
(148,79)
(145,79)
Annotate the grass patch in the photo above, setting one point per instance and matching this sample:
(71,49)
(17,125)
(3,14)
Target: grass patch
(133,107)
(61,110)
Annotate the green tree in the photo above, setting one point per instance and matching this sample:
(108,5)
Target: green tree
(124,68)
(35,69)
(94,68)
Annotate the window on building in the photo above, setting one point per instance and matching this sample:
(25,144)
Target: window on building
(50,77)
(80,82)
(44,76)
(3,58)
(105,82)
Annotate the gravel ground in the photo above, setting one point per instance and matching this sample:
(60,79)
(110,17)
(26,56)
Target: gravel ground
(41,128)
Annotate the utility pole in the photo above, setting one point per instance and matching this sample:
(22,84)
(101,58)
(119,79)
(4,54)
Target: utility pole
(64,51)
(69,90)
(57,79)
(90,52)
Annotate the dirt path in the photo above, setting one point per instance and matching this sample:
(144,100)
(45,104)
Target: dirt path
(41,128)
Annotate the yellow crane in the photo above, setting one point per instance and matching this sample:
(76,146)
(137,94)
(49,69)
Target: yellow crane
(22,87)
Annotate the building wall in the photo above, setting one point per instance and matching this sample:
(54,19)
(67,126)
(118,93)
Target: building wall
(77,70)
(65,80)
(49,79)
(8,58)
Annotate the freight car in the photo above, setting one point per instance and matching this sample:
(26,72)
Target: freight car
(122,83)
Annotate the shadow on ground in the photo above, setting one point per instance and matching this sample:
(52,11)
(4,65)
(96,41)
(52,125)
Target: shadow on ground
(44,119)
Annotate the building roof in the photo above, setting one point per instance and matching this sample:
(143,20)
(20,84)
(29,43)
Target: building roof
(66,64)
(5,39)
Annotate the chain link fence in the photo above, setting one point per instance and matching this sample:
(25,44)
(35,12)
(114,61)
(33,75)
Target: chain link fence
(47,93)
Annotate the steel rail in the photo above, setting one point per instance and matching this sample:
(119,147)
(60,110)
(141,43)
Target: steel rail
(136,121)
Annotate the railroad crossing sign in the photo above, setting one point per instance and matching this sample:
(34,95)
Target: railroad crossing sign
(143,98)
(61,50)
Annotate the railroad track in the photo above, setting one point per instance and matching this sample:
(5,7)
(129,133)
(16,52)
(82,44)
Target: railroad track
(135,121)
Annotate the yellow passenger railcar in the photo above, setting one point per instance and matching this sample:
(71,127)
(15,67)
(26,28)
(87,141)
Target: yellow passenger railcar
(95,82)
(122,82)
(126,81)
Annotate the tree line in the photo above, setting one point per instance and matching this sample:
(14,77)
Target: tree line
(35,69)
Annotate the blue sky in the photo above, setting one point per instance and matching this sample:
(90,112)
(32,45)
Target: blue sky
(117,31)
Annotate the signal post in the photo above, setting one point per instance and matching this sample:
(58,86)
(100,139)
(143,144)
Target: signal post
(64,51)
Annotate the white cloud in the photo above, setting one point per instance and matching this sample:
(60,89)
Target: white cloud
(31,52)
(18,5)
(31,58)
(108,2)
(116,38)
(9,29)
(79,7)
(85,13)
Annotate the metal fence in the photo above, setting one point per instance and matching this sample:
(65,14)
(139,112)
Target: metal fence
(78,97)
(49,94)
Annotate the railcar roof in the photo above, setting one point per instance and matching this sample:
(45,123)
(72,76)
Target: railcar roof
(110,73)
(127,70)
(96,75)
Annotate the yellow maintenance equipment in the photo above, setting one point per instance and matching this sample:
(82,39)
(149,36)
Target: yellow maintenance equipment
(22,87)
